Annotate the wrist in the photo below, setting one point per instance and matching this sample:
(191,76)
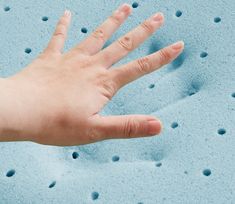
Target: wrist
(10,117)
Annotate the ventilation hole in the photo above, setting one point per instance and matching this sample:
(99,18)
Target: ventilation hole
(233,95)
(217,19)
(178,13)
(84,30)
(221,131)
(45,18)
(75,155)
(151,86)
(174,125)
(206,172)
(7,8)
(135,5)
(158,164)
(115,158)
(27,50)
(10,173)
(140,203)
(203,54)
(191,93)
(94,195)
(52,184)
(185,172)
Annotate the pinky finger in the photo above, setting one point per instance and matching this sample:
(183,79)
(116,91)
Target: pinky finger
(57,41)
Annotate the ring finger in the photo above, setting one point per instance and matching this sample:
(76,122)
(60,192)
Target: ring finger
(130,41)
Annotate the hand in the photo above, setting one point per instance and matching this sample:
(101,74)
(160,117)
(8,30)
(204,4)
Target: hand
(56,99)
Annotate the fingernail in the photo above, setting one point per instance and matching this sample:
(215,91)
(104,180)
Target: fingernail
(67,13)
(158,17)
(178,45)
(124,7)
(154,127)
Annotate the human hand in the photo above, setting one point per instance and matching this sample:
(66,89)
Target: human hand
(55,100)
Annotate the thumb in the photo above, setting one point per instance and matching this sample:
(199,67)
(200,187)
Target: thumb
(128,126)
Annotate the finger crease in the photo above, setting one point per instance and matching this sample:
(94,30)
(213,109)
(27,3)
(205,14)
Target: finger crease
(147,27)
(115,20)
(126,42)
(99,34)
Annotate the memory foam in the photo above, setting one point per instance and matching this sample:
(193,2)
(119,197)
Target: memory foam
(192,161)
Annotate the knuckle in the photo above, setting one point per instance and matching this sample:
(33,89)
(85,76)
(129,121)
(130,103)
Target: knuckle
(106,84)
(78,49)
(109,89)
(164,56)
(59,34)
(147,27)
(94,134)
(144,65)
(48,51)
(60,31)
(130,128)
(107,56)
(126,42)
(115,19)
(99,34)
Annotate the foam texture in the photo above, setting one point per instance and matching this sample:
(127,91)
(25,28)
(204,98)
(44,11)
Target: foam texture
(192,161)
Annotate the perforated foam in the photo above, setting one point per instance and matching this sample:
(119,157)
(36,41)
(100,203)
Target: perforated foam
(192,161)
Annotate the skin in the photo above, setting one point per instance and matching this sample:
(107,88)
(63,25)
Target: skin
(55,100)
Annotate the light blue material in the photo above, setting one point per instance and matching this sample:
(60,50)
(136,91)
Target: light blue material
(192,161)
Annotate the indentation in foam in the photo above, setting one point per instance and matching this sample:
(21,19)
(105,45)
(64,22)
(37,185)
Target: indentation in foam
(154,46)
(194,87)
(158,155)
(178,61)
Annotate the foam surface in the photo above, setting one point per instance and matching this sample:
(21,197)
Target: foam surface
(192,161)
